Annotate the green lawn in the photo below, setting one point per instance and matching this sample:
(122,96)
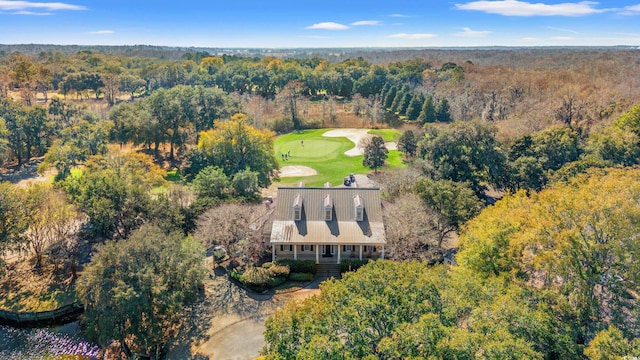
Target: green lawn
(325,155)
(387,134)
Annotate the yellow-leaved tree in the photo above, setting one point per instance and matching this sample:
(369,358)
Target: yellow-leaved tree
(579,239)
(235,146)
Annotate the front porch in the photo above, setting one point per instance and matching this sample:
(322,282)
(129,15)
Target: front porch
(325,253)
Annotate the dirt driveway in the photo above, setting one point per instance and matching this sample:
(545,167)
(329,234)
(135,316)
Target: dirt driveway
(229,323)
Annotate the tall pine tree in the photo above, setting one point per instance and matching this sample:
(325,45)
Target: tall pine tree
(428,113)
(415,107)
(443,113)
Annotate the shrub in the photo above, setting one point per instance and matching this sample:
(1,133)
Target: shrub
(313,124)
(236,275)
(351,265)
(257,277)
(281,126)
(278,280)
(302,277)
(267,265)
(279,270)
(219,255)
(299,266)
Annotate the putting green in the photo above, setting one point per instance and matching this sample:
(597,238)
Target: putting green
(324,154)
(311,148)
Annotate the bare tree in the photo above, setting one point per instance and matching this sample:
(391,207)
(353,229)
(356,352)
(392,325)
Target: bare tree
(375,109)
(237,228)
(408,227)
(53,221)
(396,183)
(290,98)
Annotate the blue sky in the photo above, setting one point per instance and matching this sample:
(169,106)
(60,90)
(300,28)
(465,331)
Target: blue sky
(328,23)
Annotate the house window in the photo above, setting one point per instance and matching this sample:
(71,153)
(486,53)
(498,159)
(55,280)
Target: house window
(327,214)
(359,214)
(347,247)
(297,214)
(286,247)
(307,247)
(370,248)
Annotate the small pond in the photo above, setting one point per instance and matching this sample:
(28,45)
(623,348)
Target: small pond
(63,342)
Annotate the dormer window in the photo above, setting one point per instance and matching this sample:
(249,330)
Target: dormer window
(328,208)
(297,208)
(359,208)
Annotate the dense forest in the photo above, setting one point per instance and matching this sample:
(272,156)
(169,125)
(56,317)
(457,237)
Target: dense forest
(523,160)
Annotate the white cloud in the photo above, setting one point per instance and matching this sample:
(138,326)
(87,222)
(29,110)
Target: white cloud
(313,37)
(563,30)
(327,26)
(101,32)
(631,10)
(467,32)
(399,15)
(33,13)
(563,38)
(413,36)
(531,39)
(25,5)
(366,23)
(523,8)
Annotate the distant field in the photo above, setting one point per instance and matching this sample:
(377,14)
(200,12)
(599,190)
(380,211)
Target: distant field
(325,155)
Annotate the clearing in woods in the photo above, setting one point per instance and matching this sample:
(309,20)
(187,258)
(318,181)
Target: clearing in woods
(332,153)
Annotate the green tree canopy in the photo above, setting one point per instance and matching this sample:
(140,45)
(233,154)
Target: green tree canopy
(454,203)
(235,146)
(375,153)
(408,143)
(391,310)
(465,152)
(13,217)
(134,290)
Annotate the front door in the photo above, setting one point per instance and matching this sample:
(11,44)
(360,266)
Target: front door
(327,250)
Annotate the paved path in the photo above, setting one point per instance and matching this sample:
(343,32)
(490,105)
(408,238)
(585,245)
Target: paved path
(229,323)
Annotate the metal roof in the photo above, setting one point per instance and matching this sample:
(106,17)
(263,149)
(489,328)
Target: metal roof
(343,227)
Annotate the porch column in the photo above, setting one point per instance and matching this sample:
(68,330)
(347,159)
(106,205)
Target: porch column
(295,252)
(273,252)
(382,253)
(317,254)
(338,253)
(360,252)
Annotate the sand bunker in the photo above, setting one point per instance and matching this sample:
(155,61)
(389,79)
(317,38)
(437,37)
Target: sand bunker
(355,135)
(297,170)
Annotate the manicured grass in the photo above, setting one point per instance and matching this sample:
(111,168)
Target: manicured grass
(324,154)
(387,134)
(395,159)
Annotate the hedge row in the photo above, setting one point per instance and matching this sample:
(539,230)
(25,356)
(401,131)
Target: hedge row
(351,265)
(299,266)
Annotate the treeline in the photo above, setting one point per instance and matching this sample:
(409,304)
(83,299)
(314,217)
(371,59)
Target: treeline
(580,89)
(527,88)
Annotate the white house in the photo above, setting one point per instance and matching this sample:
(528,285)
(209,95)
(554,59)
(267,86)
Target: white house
(327,224)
